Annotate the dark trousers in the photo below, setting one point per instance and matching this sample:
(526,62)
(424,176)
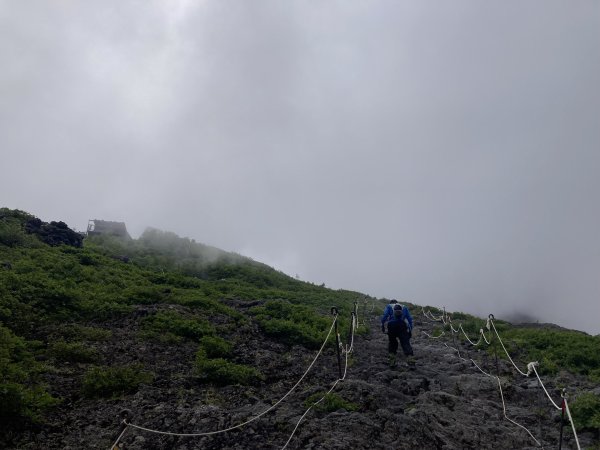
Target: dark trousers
(404,339)
(404,343)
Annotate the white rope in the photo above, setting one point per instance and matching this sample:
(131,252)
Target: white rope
(481,370)
(112,447)
(501,395)
(429,315)
(509,419)
(364,319)
(354,327)
(572,424)
(531,368)
(544,387)
(466,336)
(457,351)
(253,418)
(433,337)
(318,401)
(483,336)
(506,351)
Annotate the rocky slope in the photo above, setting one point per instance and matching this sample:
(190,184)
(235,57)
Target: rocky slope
(440,402)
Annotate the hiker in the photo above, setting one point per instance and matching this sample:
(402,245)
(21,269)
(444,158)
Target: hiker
(388,313)
(399,328)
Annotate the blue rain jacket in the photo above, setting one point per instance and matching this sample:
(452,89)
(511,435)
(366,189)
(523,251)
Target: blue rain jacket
(388,314)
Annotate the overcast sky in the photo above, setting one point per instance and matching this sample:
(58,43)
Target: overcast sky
(442,152)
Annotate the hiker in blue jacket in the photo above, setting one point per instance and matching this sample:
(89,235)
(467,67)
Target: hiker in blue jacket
(399,329)
(388,313)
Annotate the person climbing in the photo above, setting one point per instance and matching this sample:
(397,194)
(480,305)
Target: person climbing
(399,328)
(388,313)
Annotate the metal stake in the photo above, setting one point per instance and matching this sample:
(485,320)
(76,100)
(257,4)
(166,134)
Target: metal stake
(562,419)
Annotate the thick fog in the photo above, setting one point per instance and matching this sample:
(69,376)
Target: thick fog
(444,153)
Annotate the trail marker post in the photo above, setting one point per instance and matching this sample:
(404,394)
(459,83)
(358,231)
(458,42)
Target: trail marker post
(491,317)
(562,418)
(352,322)
(539,403)
(334,311)
(124,415)
(454,340)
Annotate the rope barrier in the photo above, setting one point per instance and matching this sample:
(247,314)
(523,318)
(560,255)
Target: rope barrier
(347,352)
(353,326)
(306,412)
(571,420)
(480,369)
(460,327)
(544,387)
(457,351)
(348,348)
(501,394)
(508,418)
(209,433)
(429,315)
(112,447)
(531,368)
(506,351)
(484,338)
(433,337)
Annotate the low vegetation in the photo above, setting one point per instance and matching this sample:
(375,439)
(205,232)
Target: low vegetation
(291,324)
(329,402)
(221,371)
(114,381)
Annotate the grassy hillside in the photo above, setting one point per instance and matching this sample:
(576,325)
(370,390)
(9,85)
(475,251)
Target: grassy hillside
(96,318)
(59,304)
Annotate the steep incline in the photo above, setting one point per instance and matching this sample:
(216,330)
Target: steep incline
(440,402)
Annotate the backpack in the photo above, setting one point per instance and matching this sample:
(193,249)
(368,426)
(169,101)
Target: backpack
(398,311)
(399,315)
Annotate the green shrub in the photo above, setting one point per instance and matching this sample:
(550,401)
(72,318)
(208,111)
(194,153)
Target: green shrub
(216,347)
(11,233)
(555,349)
(177,324)
(291,324)
(223,372)
(21,395)
(18,401)
(76,352)
(585,410)
(145,295)
(88,260)
(103,309)
(331,402)
(114,381)
(80,332)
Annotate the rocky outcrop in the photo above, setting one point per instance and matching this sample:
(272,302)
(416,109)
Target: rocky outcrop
(54,233)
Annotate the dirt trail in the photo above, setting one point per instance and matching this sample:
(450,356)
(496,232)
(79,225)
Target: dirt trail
(440,402)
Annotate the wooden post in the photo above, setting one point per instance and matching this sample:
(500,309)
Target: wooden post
(334,311)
